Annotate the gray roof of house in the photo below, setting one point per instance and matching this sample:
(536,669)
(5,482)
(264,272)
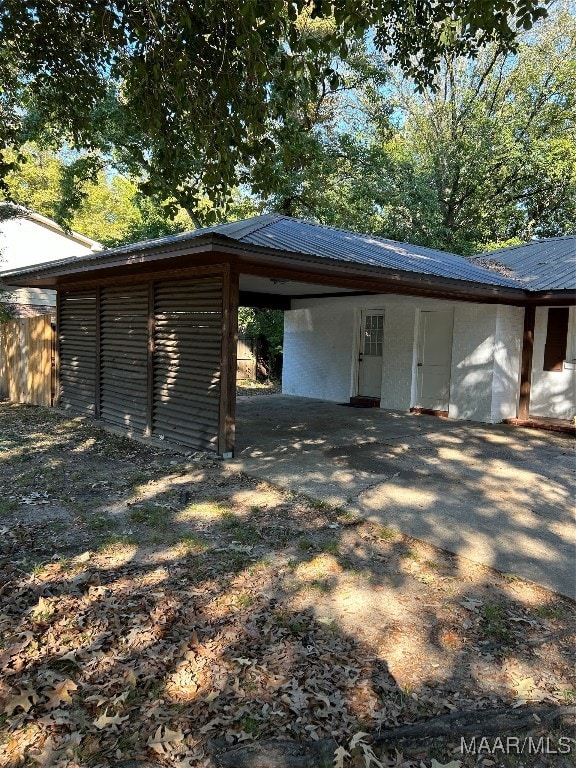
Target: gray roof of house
(541,265)
(283,233)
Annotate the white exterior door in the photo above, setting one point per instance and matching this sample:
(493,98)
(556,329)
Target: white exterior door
(370,354)
(434,359)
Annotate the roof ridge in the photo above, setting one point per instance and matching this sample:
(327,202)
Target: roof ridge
(246,228)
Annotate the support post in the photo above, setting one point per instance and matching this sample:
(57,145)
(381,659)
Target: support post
(150,362)
(56,398)
(227,426)
(526,365)
(98,361)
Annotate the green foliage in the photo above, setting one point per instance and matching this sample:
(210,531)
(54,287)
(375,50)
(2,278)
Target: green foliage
(490,155)
(104,205)
(267,326)
(486,155)
(181,95)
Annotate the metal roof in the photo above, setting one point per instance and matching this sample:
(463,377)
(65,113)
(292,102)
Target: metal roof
(283,233)
(295,235)
(541,265)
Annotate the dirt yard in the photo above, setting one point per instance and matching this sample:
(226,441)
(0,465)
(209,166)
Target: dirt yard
(161,609)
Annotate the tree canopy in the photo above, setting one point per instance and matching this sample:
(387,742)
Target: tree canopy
(181,94)
(486,153)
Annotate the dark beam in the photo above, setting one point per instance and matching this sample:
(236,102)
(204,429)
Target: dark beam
(526,364)
(98,347)
(264,300)
(228,362)
(150,361)
(56,400)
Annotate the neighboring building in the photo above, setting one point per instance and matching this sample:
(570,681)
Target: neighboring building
(29,239)
(147,332)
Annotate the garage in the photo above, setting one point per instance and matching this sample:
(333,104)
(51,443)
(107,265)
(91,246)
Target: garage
(147,333)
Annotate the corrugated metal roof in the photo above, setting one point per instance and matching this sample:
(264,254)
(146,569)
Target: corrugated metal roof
(541,265)
(283,233)
(295,235)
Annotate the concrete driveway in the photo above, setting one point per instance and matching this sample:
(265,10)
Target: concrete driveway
(495,494)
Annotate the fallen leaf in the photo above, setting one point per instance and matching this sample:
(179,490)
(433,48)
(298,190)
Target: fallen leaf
(104,720)
(163,738)
(25,699)
(451,764)
(340,755)
(471,604)
(60,693)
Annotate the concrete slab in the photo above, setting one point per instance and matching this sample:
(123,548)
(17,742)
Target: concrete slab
(496,494)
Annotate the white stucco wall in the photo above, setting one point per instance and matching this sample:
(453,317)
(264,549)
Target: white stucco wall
(317,352)
(553,393)
(507,361)
(321,345)
(472,362)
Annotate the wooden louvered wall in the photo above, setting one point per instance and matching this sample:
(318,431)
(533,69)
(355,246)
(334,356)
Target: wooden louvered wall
(187,353)
(77,350)
(124,356)
(153,358)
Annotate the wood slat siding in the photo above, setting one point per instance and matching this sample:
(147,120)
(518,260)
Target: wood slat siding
(123,356)
(77,350)
(147,357)
(186,372)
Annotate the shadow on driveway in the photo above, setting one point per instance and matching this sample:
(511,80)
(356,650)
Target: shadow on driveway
(495,494)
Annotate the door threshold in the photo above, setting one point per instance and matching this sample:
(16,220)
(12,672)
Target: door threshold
(430,412)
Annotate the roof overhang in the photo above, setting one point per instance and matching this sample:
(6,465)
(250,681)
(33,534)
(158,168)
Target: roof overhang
(126,265)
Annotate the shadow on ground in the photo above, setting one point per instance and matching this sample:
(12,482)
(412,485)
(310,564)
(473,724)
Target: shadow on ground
(166,608)
(496,494)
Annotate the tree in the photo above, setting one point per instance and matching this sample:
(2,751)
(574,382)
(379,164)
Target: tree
(487,155)
(180,91)
(496,140)
(108,208)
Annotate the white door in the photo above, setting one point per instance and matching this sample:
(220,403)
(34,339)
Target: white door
(370,354)
(434,359)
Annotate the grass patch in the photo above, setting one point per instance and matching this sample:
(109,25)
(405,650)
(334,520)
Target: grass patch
(244,600)
(494,622)
(247,534)
(550,612)
(385,533)
(100,523)
(114,544)
(229,520)
(191,545)
(321,506)
(152,515)
(321,585)
(8,506)
(304,544)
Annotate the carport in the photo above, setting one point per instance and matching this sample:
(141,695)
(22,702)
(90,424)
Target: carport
(147,333)
(494,494)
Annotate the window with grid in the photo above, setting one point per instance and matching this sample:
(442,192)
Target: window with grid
(373,335)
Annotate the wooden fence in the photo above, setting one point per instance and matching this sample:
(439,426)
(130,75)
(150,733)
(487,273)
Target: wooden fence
(26,355)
